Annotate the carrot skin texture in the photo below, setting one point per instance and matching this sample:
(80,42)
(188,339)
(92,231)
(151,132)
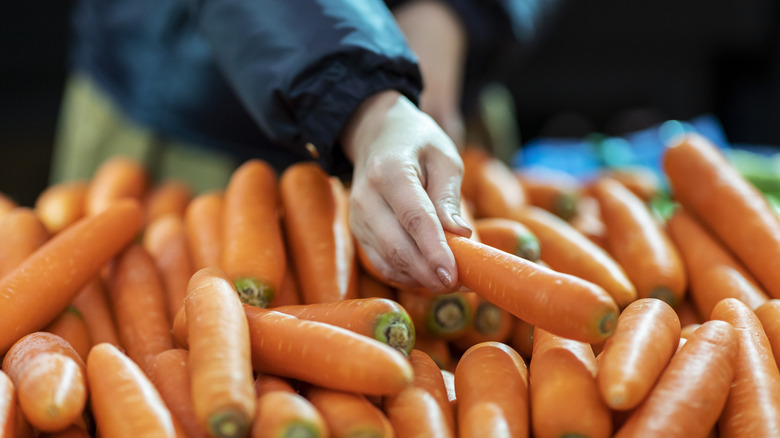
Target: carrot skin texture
(60,268)
(562,304)
(349,414)
(769,315)
(493,372)
(314,352)
(7,406)
(690,394)
(71,327)
(508,235)
(92,303)
(61,205)
(490,184)
(167,197)
(280,413)
(116,178)
(753,404)
(555,191)
(203,225)
(22,233)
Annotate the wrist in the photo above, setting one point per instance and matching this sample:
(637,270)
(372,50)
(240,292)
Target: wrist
(367,121)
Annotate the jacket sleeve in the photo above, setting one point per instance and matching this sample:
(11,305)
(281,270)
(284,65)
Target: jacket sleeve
(302,67)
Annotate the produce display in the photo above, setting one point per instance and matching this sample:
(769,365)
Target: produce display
(133,308)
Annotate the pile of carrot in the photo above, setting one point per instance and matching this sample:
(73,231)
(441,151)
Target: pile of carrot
(131,307)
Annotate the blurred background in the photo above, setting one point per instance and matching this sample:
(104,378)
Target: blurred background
(603,66)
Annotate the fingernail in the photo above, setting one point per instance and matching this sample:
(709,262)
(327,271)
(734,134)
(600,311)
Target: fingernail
(444,277)
(460,221)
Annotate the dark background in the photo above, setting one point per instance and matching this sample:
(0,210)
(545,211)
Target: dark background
(604,65)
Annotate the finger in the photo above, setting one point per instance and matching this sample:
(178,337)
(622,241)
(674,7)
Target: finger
(443,183)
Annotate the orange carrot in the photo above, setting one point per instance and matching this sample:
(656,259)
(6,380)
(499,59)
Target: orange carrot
(166,241)
(639,244)
(769,315)
(123,400)
(169,371)
(708,186)
(22,233)
(370,287)
(444,316)
(565,399)
(687,312)
(7,406)
(522,338)
(560,303)
(642,181)
(168,197)
(179,329)
(203,224)
(316,226)
(490,184)
(508,235)
(283,412)
(92,304)
(39,289)
(289,293)
(378,318)
(646,337)
(6,204)
(71,327)
(555,191)
(713,272)
(220,365)
(253,253)
(348,414)
(438,349)
(753,404)
(116,178)
(62,204)
(488,323)
(70,432)
(690,394)
(484,419)
(569,251)
(587,220)
(324,355)
(49,379)
(138,302)
(493,372)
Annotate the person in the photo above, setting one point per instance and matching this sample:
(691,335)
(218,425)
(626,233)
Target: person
(194,87)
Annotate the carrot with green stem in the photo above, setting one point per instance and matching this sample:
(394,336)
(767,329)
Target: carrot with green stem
(7,406)
(567,250)
(444,316)
(49,377)
(71,327)
(379,318)
(508,235)
(753,405)
(22,233)
(253,253)
(639,244)
(123,400)
(220,360)
(711,188)
(116,178)
(93,305)
(203,226)
(316,226)
(282,412)
(562,304)
(553,190)
(62,204)
(691,392)
(168,197)
(44,284)
(349,414)
(769,315)
(646,337)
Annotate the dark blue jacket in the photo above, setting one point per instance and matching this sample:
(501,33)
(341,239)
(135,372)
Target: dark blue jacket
(262,78)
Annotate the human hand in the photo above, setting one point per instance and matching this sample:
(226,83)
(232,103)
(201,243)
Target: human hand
(405,192)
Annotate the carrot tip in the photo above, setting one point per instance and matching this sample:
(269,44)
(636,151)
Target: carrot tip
(396,330)
(449,315)
(300,430)
(230,423)
(528,248)
(664,294)
(254,292)
(608,324)
(566,205)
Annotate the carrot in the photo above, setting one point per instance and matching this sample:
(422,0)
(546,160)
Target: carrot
(22,233)
(49,379)
(62,204)
(7,406)
(253,253)
(6,204)
(220,364)
(137,297)
(324,355)
(349,414)
(179,329)
(444,316)
(642,181)
(438,349)
(555,191)
(569,251)
(587,220)
(369,286)
(639,244)
(165,239)
(378,318)
(563,304)
(493,372)
(116,178)
(753,405)
(316,226)
(713,272)
(708,186)
(690,394)
(71,327)
(93,305)
(508,235)
(522,338)
(282,412)
(484,419)
(169,197)
(70,432)
(38,289)
(169,372)
(123,400)
(488,323)
(490,184)
(289,293)
(646,337)
(687,312)
(769,315)
(203,225)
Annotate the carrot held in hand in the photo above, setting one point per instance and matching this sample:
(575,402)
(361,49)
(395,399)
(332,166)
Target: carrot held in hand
(646,337)
(39,289)
(220,363)
(253,253)
(60,205)
(562,304)
(203,225)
